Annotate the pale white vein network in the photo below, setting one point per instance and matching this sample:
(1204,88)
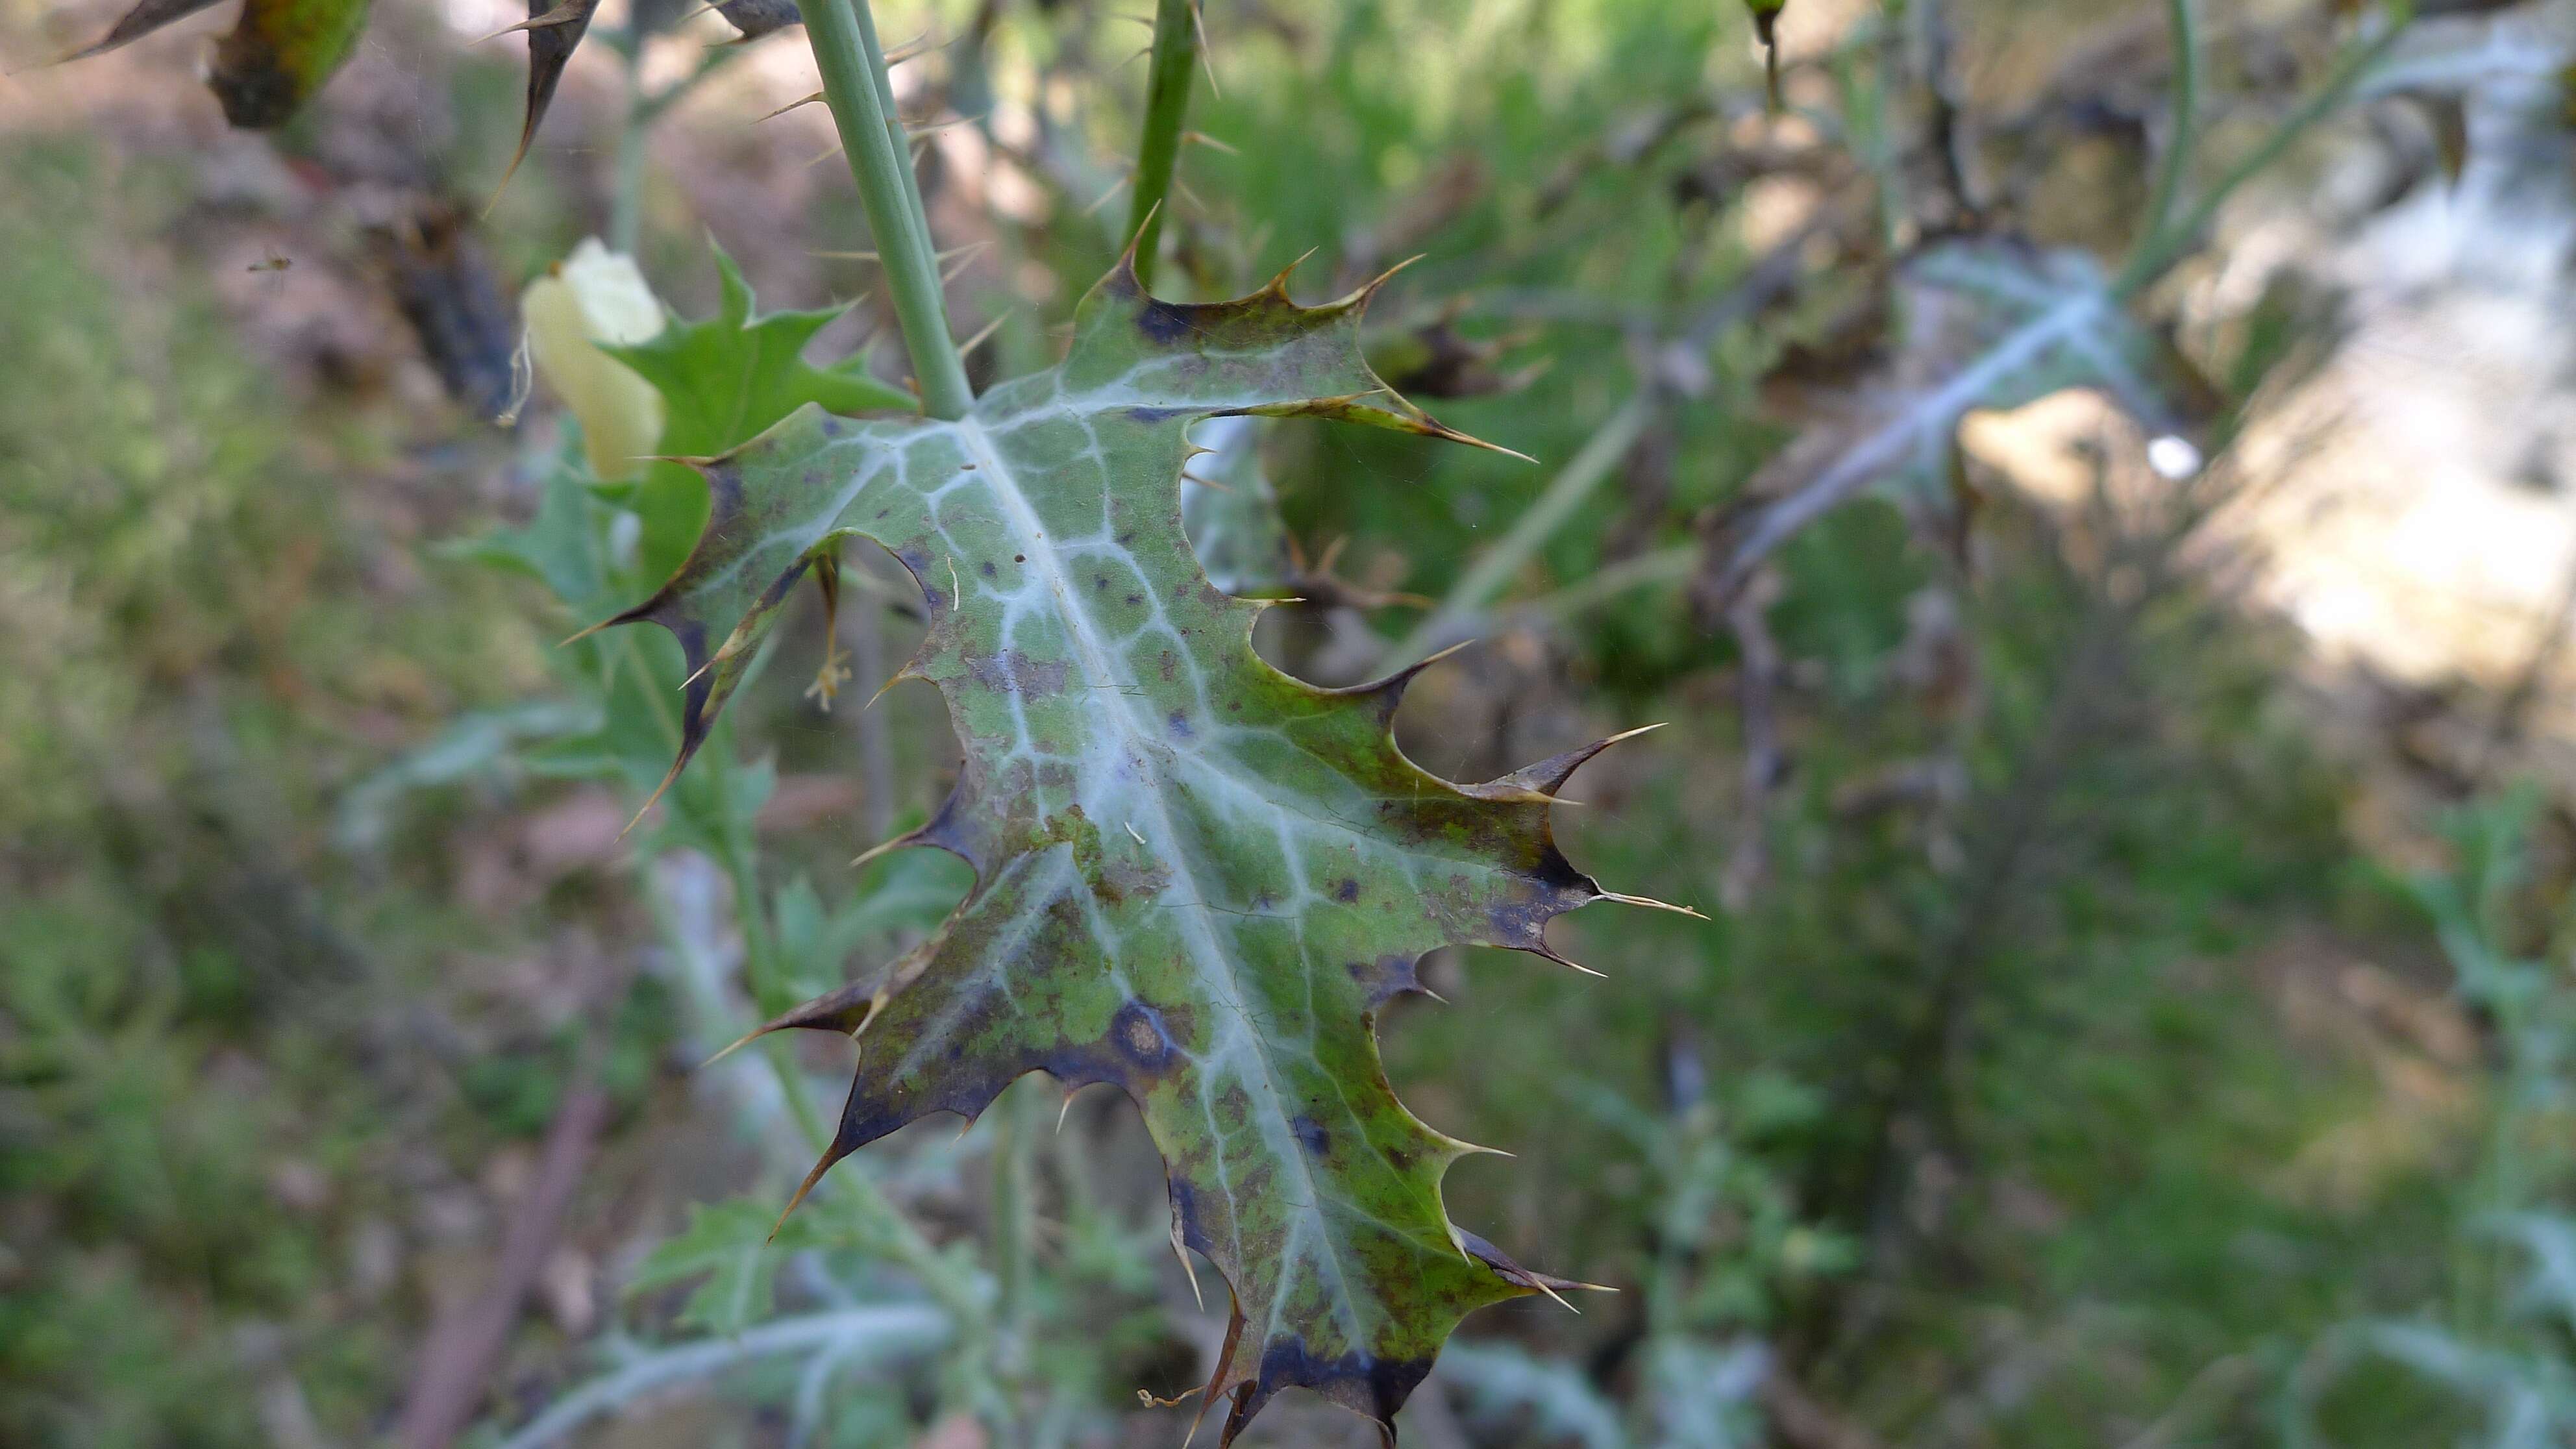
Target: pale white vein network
(1124,779)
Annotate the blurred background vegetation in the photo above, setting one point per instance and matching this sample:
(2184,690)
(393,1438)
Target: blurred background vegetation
(2135,1008)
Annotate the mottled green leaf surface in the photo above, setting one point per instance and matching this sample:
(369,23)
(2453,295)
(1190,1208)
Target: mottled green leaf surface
(1196,877)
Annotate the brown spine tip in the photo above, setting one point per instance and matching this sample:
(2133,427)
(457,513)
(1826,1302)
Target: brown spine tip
(1449,434)
(905,841)
(1650,903)
(1367,291)
(1388,692)
(1278,286)
(1568,962)
(1216,1381)
(1125,271)
(831,1155)
(1549,775)
(655,798)
(841,1012)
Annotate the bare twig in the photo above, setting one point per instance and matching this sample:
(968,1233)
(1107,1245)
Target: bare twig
(465,1343)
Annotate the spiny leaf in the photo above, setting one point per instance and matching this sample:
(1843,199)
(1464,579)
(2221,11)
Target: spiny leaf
(279,55)
(138,22)
(1988,324)
(722,381)
(1196,877)
(756,18)
(730,377)
(1766,27)
(554,32)
(730,1244)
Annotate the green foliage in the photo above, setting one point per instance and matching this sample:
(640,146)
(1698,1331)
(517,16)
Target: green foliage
(722,382)
(2096,1166)
(2499,1344)
(175,998)
(730,1245)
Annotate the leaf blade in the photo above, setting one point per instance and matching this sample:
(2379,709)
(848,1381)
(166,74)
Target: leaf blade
(1196,876)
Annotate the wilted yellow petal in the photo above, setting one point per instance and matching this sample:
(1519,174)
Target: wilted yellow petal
(591,297)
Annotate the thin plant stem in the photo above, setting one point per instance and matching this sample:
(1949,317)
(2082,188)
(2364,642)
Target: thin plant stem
(860,1335)
(880,157)
(626,198)
(2182,134)
(869,1209)
(1015,1141)
(1167,103)
(2161,249)
(1565,494)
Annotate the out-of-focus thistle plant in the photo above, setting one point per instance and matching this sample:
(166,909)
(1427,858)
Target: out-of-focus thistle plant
(2500,1343)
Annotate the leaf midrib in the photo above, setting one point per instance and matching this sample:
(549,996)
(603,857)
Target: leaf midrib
(1096,661)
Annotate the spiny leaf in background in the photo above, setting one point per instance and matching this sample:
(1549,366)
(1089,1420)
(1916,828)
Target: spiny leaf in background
(729,1243)
(756,18)
(554,33)
(282,51)
(1986,324)
(278,54)
(1196,877)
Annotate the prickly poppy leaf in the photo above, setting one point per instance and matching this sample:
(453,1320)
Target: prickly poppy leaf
(554,32)
(138,22)
(722,382)
(729,377)
(756,18)
(1987,324)
(279,55)
(1766,28)
(1195,877)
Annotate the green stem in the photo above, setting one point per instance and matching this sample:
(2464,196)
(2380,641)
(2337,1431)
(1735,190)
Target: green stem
(1015,1135)
(2162,247)
(854,84)
(870,1211)
(626,199)
(877,66)
(1486,577)
(2183,133)
(1167,102)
